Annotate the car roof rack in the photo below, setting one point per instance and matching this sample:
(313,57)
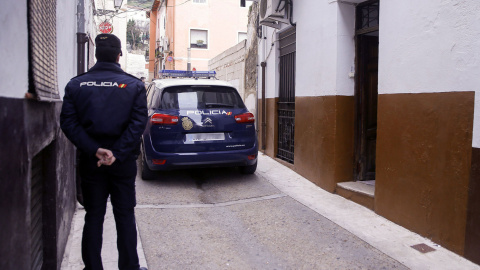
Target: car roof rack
(166,73)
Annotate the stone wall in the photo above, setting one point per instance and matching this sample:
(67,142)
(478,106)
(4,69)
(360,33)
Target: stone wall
(230,66)
(251,56)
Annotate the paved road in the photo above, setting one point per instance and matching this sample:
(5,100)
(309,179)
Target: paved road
(220,219)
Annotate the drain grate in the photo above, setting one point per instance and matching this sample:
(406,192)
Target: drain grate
(423,248)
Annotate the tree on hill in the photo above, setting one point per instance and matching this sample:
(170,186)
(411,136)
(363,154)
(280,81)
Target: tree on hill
(134,34)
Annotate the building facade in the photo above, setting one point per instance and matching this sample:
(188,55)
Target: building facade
(186,35)
(379,102)
(105,11)
(39,49)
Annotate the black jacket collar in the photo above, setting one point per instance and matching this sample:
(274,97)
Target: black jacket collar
(107,66)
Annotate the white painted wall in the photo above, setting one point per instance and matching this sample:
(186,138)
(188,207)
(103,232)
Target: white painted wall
(425,47)
(119,23)
(316,48)
(14,52)
(345,85)
(430,46)
(90,23)
(66,43)
(268,54)
(325,50)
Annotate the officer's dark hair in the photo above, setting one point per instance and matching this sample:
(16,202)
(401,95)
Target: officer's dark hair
(108,47)
(107,54)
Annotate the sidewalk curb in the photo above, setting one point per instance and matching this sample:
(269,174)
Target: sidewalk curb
(388,237)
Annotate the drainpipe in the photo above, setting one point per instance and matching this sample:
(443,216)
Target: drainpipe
(189,61)
(264,109)
(81,40)
(81,37)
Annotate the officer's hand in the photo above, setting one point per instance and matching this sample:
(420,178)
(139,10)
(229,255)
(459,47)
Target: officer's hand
(105,157)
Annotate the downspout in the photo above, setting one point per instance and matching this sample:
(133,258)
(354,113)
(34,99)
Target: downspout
(264,109)
(264,83)
(81,37)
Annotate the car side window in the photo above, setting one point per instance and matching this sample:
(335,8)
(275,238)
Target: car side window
(153,102)
(150,92)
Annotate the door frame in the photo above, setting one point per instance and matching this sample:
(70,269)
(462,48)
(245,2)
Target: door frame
(360,115)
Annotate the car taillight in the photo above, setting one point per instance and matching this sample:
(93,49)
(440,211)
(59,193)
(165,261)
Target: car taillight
(159,161)
(163,119)
(245,118)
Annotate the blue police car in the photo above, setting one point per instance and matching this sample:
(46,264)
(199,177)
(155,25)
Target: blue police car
(196,123)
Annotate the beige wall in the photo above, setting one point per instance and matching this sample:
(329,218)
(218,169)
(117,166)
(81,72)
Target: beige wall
(223,19)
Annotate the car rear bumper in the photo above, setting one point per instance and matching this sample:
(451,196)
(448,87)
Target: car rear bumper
(200,159)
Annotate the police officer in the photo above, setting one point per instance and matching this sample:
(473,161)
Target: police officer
(104,114)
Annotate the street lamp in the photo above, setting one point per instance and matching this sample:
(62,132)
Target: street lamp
(117,4)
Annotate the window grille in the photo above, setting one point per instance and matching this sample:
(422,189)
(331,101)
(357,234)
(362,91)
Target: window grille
(286,103)
(43,49)
(367,15)
(36,213)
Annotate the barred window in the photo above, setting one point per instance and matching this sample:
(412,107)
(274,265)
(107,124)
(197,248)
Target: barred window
(42,49)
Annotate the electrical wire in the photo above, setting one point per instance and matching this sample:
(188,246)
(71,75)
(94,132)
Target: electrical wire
(273,44)
(180,4)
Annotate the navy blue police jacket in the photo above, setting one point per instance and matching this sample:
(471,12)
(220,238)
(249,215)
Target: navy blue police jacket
(105,108)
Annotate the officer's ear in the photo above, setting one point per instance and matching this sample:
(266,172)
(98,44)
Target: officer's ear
(118,57)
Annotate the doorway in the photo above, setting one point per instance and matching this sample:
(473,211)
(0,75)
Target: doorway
(366,89)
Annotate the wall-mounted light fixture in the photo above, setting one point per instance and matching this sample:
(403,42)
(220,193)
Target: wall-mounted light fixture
(117,4)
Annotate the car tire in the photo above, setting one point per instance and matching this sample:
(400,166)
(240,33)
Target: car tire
(147,174)
(250,169)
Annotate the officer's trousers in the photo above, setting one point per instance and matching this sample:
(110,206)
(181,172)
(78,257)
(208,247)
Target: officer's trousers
(118,181)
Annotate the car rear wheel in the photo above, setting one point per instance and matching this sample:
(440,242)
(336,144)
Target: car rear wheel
(250,169)
(147,174)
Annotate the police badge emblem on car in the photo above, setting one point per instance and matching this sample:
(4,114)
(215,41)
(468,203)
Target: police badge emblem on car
(187,123)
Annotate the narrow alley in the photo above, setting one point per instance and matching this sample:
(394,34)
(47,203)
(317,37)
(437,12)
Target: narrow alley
(274,219)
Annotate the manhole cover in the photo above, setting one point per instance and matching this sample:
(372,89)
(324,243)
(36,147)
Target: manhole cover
(423,248)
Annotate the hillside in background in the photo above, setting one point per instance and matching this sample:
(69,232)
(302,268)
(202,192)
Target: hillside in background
(140,3)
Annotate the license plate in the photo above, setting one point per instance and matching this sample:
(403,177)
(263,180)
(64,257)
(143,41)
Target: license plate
(201,137)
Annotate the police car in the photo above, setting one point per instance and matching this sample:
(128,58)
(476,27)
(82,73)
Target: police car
(196,122)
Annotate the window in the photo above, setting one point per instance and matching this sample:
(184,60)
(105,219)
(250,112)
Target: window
(367,15)
(200,97)
(200,1)
(242,36)
(242,3)
(199,39)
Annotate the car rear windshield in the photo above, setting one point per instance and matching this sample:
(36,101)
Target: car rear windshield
(200,97)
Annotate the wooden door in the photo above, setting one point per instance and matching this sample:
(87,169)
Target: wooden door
(366,95)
